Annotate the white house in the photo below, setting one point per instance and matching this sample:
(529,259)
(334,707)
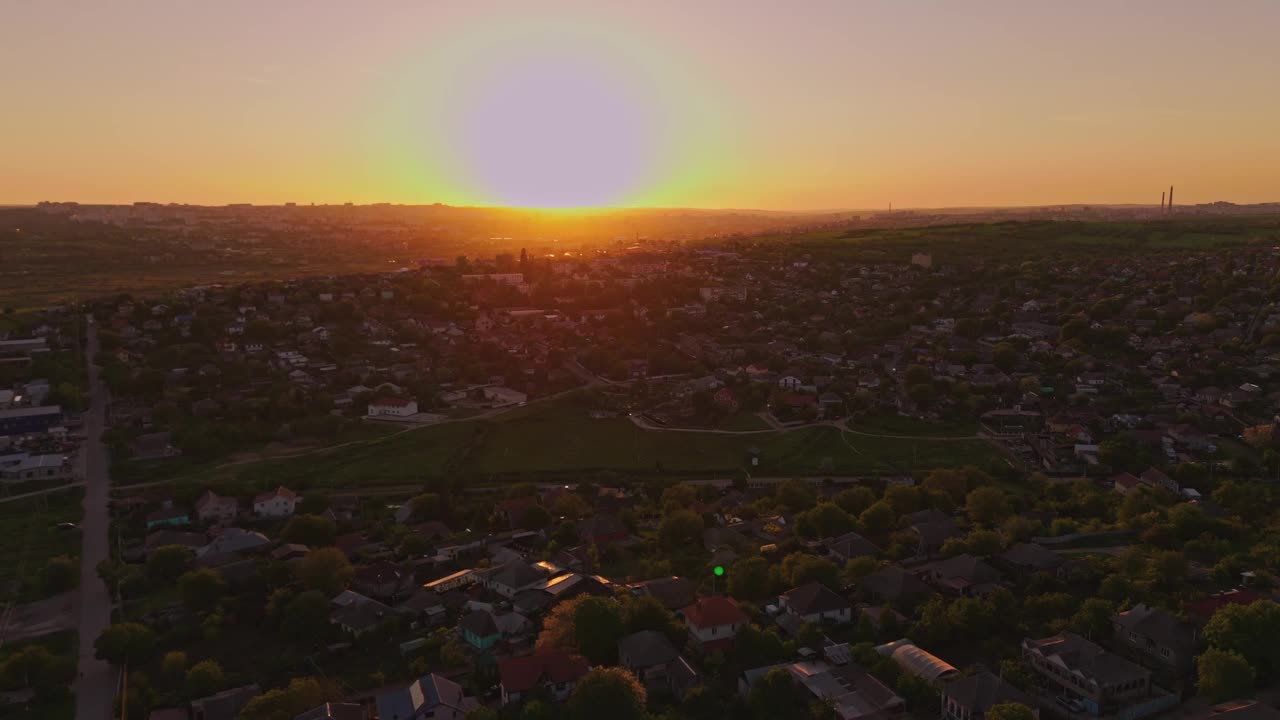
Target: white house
(790,382)
(714,621)
(278,503)
(815,603)
(215,508)
(393,406)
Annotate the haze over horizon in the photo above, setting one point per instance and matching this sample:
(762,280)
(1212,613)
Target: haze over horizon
(706,105)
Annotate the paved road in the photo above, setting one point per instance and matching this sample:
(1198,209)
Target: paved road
(95,688)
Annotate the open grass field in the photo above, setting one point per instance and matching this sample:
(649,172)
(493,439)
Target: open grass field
(29,536)
(1029,239)
(559,440)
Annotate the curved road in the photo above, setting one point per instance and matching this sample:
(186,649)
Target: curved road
(95,687)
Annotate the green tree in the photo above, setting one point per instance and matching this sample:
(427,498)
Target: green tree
(987,505)
(796,494)
(607,693)
(201,590)
(598,625)
(326,570)
(169,561)
(753,647)
(1250,631)
(1093,619)
(879,518)
(855,500)
(535,517)
(205,678)
(679,529)
(305,618)
(749,578)
(775,697)
(802,568)
(174,665)
(1223,675)
(301,695)
(122,643)
(310,530)
(823,520)
(60,574)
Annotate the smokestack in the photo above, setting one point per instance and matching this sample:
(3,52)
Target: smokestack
(1162,201)
(1170,198)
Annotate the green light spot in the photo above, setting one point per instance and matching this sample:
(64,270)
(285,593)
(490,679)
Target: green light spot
(719,570)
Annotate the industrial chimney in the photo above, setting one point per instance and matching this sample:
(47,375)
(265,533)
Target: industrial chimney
(1162,194)
(1170,208)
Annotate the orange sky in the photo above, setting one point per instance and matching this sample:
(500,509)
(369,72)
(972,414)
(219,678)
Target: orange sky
(819,104)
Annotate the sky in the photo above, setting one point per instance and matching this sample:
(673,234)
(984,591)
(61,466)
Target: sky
(819,104)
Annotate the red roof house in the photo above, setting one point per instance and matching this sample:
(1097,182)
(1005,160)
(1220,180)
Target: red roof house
(714,621)
(556,671)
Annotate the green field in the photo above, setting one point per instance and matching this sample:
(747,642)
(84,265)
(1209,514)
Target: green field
(29,536)
(559,439)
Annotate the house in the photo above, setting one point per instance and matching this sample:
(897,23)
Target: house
(511,577)
(1125,483)
(225,705)
(969,698)
(554,672)
(672,593)
(651,657)
(1158,635)
(1204,610)
(601,529)
(815,603)
(382,579)
(482,629)
(849,546)
(894,585)
(714,621)
(231,541)
(1157,479)
(213,508)
(849,691)
(393,407)
(1027,559)
(361,614)
(932,528)
(1098,681)
(279,503)
(963,575)
(168,517)
(1239,710)
(430,697)
(511,511)
(917,661)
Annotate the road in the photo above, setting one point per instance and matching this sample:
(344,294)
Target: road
(95,688)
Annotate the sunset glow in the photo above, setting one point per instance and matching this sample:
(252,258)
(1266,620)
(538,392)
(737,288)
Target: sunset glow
(707,104)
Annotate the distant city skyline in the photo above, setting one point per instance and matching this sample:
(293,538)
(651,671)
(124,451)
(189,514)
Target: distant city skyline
(830,105)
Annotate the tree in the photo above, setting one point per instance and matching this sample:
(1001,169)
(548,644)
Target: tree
(903,499)
(326,570)
(1223,675)
(984,542)
(1250,631)
(169,561)
(879,518)
(598,625)
(60,574)
(174,665)
(310,530)
(680,528)
(1010,711)
(796,494)
(426,506)
(204,678)
(201,589)
(753,647)
(610,693)
(122,643)
(33,666)
(775,697)
(301,695)
(824,520)
(535,517)
(802,568)
(306,618)
(1093,619)
(855,500)
(986,505)
(749,578)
